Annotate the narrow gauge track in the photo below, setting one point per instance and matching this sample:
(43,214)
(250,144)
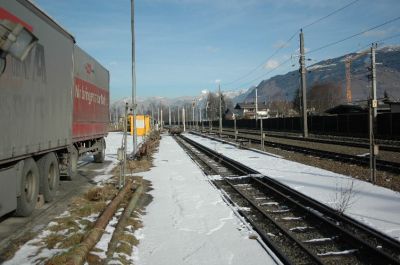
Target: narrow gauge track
(297,228)
(385,165)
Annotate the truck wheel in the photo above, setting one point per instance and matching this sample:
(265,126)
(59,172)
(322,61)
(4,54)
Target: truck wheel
(49,176)
(101,155)
(73,163)
(29,188)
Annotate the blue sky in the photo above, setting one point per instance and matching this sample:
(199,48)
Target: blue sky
(184,46)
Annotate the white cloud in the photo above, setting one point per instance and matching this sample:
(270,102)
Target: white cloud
(271,64)
(217,81)
(375,33)
(281,44)
(212,49)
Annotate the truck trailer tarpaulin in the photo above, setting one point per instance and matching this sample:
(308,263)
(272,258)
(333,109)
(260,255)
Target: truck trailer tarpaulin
(54,105)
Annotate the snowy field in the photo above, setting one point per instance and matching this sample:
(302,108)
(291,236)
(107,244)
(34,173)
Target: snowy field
(188,222)
(373,205)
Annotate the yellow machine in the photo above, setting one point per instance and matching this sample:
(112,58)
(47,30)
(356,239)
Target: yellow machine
(142,124)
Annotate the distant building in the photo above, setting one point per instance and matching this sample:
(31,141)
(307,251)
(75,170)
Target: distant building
(248,110)
(228,114)
(384,106)
(346,109)
(394,106)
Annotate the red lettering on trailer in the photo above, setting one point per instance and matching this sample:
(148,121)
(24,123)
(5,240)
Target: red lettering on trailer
(5,15)
(90,115)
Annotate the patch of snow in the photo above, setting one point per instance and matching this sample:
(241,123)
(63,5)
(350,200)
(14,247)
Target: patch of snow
(102,245)
(291,218)
(187,222)
(315,240)
(375,206)
(337,253)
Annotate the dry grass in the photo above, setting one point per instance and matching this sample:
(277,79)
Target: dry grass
(101,193)
(72,240)
(15,245)
(57,260)
(70,231)
(52,240)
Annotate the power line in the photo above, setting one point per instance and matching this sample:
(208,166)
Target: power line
(352,36)
(330,14)
(364,47)
(290,39)
(266,60)
(264,74)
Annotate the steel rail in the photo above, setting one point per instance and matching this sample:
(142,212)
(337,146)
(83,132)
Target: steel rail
(342,222)
(319,138)
(381,164)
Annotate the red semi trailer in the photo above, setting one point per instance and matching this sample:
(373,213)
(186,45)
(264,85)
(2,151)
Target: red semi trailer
(54,106)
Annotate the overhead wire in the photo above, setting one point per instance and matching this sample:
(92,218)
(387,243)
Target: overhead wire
(266,60)
(352,36)
(330,14)
(361,50)
(288,41)
(264,74)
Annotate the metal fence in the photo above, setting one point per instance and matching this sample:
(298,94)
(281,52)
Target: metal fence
(388,125)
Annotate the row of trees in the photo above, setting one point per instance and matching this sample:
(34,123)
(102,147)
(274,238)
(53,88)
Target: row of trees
(207,109)
(320,97)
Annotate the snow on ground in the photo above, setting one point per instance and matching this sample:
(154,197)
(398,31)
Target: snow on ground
(113,142)
(373,205)
(188,222)
(34,250)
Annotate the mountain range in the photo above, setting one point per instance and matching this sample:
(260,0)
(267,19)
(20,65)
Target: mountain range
(333,72)
(284,87)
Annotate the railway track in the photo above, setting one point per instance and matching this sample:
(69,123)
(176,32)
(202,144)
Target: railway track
(387,145)
(297,228)
(390,166)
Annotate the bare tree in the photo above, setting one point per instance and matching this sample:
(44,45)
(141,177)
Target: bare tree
(213,105)
(324,96)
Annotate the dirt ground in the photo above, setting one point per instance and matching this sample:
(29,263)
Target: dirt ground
(68,231)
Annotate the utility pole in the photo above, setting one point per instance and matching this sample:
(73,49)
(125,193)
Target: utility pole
(179,120)
(201,121)
(220,109)
(234,127)
(183,118)
(262,134)
(256,107)
(152,116)
(133,77)
(161,119)
(303,72)
(207,118)
(373,104)
(193,103)
(169,116)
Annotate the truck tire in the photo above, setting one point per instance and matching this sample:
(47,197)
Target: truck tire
(49,176)
(101,155)
(29,188)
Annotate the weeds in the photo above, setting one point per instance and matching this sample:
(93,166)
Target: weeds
(345,196)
